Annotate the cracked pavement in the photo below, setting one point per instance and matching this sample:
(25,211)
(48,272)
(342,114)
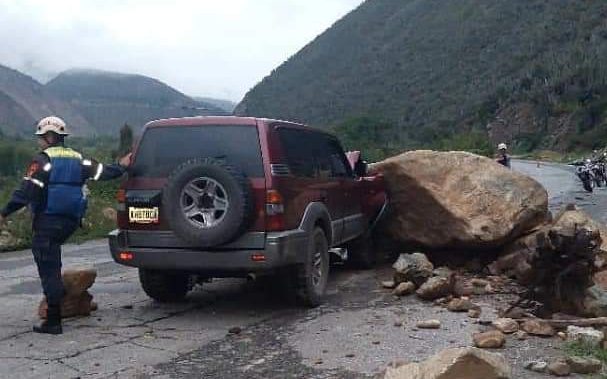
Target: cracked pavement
(352,335)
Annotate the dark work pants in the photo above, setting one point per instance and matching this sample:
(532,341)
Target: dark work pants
(49,233)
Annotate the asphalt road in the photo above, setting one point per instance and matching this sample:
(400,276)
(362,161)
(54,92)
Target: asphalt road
(352,335)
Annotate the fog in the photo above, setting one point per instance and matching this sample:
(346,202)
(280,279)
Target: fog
(202,48)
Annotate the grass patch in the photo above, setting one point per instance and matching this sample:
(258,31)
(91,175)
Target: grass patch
(586,350)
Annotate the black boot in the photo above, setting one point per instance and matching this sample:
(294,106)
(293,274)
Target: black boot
(52,324)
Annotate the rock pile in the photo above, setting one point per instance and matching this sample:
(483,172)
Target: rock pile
(77,301)
(460,201)
(557,262)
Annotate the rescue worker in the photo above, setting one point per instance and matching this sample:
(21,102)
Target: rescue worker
(503,157)
(53,188)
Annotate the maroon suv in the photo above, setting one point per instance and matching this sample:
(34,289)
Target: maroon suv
(230,196)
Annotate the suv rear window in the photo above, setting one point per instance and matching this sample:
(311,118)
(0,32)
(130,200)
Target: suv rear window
(162,149)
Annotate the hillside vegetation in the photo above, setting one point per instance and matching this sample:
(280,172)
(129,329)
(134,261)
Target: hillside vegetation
(528,72)
(15,155)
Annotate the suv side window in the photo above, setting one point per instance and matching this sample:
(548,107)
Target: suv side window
(298,145)
(314,154)
(339,165)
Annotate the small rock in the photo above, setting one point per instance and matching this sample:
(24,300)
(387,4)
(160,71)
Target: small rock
(489,289)
(479,282)
(506,325)
(462,304)
(235,330)
(588,336)
(514,313)
(581,365)
(521,335)
(489,340)
(442,301)
(404,289)
(474,313)
(536,366)
(538,328)
(389,284)
(412,267)
(443,272)
(435,288)
(350,355)
(559,368)
(127,307)
(429,324)
(318,362)
(376,342)
(398,324)
(562,335)
(463,363)
(462,287)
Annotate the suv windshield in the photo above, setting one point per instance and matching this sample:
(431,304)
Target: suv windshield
(162,149)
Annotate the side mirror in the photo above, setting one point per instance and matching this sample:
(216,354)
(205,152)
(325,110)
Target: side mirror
(360,168)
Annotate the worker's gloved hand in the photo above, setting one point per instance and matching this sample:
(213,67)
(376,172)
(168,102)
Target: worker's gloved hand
(125,161)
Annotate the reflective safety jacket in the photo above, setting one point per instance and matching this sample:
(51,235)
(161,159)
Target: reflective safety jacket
(64,185)
(54,180)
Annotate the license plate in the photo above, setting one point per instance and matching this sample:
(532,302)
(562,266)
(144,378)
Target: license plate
(143,215)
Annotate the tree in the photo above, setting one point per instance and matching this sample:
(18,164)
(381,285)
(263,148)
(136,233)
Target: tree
(126,140)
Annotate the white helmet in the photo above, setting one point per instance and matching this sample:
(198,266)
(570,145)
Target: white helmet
(502,146)
(51,124)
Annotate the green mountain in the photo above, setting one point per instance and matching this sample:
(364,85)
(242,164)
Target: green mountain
(23,101)
(529,72)
(108,100)
(92,102)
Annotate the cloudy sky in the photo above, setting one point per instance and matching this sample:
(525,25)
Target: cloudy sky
(218,48)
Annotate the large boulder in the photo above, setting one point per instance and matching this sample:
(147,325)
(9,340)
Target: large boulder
(463,363)
(458,200)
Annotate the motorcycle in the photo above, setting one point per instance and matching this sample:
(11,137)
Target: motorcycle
(584,171)
(598,173)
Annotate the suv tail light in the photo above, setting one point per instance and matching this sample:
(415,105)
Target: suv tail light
(275,210)
(121,196)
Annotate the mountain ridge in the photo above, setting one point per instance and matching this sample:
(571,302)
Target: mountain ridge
(93,102)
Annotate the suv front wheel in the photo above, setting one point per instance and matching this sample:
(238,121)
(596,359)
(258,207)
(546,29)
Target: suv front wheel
(164,286)
(312,276)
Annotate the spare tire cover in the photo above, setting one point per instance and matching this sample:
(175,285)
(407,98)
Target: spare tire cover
(207,202)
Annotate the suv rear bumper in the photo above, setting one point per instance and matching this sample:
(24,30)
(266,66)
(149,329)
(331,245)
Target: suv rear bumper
(281,249)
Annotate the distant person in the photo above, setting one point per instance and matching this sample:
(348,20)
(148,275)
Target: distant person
(503,158)
(53,188)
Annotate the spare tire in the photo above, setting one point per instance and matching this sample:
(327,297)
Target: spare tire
(207,202)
